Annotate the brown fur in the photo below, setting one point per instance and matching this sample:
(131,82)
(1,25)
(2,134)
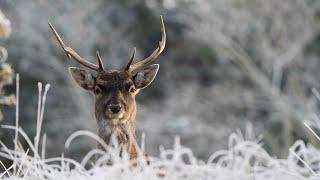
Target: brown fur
(115,87)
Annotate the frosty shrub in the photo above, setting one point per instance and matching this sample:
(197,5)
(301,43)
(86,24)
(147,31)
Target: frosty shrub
(244,159)
(5,26)
(6,72)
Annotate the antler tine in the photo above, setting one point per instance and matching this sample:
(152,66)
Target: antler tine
(71,53)
(155,53)
(101,67)
(59,39)
(131,59)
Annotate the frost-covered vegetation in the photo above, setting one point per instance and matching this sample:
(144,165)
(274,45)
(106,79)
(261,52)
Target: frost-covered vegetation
(234,61)
(244,159)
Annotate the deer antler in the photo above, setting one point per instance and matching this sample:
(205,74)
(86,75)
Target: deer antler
(131,59)
(101,68)
(132,67)
(71,53)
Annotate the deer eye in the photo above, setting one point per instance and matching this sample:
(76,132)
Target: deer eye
(130,88)
(97,90)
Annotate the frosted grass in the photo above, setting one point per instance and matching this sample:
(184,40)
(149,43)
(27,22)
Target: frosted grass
(244,159)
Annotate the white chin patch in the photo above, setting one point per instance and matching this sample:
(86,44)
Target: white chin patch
(114,116)
(117,119)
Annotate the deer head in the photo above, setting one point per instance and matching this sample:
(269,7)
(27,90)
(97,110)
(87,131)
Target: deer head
(115,90)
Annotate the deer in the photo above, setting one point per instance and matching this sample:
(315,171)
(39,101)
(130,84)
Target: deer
(115,90)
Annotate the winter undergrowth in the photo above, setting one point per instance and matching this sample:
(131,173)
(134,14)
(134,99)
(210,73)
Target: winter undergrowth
(245,158)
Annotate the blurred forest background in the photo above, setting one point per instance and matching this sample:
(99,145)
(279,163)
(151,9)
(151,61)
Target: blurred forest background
(227,64)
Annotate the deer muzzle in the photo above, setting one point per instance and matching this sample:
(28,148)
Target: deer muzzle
(114,108)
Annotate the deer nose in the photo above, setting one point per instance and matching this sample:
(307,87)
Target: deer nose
(115,108)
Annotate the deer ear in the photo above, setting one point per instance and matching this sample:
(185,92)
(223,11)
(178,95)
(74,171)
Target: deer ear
(83,78)
(145,76)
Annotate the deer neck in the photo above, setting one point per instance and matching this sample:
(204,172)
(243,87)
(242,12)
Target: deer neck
(124,132)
